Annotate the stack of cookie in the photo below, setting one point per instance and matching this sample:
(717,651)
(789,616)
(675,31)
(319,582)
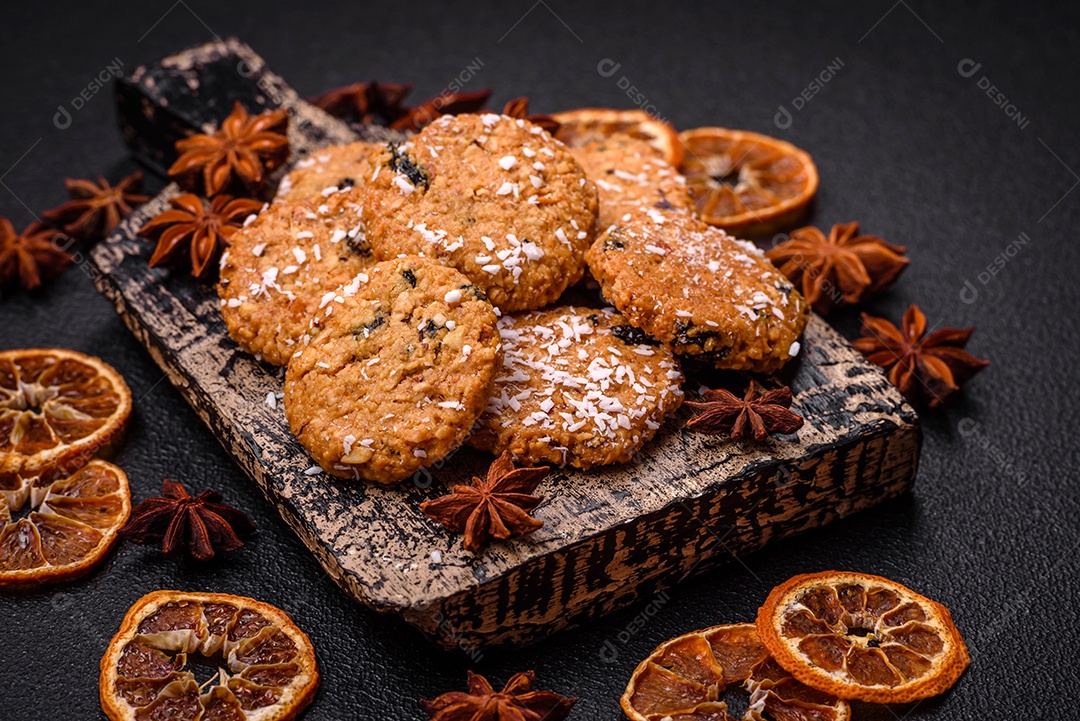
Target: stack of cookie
(412,291)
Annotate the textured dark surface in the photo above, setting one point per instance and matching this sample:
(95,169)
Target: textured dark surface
(905,144)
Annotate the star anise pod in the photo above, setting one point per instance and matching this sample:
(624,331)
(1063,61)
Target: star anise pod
(926,368)
(519,108)
(442,104)
(32,256)
(366,102)
(516,702)
(751,415)
(201,524)
(498,506)
(96,208)
(192,235)
(844,268)
(237,158)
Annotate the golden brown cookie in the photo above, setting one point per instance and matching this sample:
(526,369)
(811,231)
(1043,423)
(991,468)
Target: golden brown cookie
(326,171)
(630,175)
(493,196)
(284,269)
(699,290)
(579,387)
(395,378)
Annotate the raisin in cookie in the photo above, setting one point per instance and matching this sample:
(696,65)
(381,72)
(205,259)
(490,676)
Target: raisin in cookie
(280,270)
(631,175)
(699,290)
(493,196)
(578,386)
(395,377)
(326,171)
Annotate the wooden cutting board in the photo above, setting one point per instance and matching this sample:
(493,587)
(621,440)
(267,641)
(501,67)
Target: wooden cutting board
(687,504)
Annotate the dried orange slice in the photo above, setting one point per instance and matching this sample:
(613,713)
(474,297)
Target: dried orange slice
(72,526)
(57,408)
(862,637)
(746,183)
(266,668)
(584,125)
(686,679)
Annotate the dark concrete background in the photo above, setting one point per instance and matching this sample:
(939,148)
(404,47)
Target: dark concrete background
(907,142)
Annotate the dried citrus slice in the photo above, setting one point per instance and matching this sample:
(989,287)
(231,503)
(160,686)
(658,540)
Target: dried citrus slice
(746,183)
(686,678)
(57,408)
(72,526)
(266,668)
(584,125)
(862,637)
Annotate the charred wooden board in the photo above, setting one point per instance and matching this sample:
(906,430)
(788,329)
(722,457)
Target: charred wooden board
(688,502)
(193,91)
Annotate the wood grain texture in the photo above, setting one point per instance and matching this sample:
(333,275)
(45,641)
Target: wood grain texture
(687,503)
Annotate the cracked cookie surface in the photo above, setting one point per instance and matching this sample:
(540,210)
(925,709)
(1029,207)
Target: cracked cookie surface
(578,387)
(631,175)
(326,171)
(395,377)
(281,270)
(700,291)
(493,196)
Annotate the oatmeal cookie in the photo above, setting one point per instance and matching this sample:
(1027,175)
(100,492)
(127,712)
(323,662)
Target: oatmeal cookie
(493,196)
(699,290)
(631,175)
(395,377)
(280,270)
(326,171)
(578,387)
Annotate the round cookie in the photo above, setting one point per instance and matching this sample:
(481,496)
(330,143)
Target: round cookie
(394,379)
(326,171)
(279,271)
(699,290)
(631,175)
(493,196)
(578,387)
